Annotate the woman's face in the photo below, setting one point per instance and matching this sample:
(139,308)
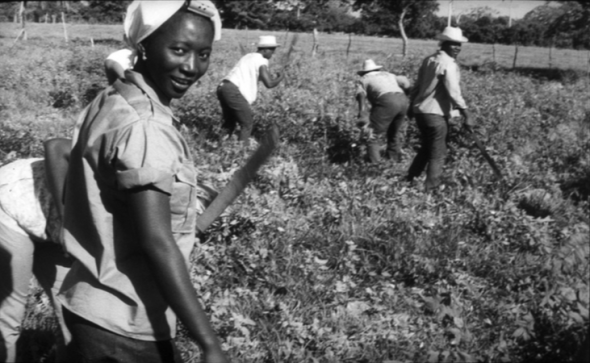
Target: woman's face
(178,53)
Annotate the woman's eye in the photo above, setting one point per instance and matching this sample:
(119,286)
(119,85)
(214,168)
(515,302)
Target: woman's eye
(204,56)
(179,51)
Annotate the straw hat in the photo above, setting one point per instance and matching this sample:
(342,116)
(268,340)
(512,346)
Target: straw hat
(267,41)
(368,66)
(452,34)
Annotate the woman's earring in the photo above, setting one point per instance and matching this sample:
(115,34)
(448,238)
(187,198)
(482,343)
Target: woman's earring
(143,56)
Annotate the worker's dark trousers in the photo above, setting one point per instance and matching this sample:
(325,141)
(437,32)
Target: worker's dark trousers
(388,116)
(236,110)
(433,150)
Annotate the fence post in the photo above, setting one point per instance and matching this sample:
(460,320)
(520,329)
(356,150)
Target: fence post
(515,56)
(349,43)
(551,53)
(247,37)
(315,45)
(63,21)
(23,20)
(494,52)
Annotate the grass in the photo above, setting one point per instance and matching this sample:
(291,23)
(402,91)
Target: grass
(377,47)
(326,259)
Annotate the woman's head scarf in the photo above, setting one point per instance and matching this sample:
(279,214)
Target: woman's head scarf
(144,17)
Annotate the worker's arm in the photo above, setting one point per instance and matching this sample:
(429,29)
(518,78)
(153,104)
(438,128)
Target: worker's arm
(57,156)
(113,71)
(360,100)
(268,80)
(451,82)
(150,210)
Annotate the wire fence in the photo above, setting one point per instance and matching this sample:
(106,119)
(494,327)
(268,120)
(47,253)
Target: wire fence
(350,47)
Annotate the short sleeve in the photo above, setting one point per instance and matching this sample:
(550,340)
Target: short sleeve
(146,153)
(262,62)
(259,62)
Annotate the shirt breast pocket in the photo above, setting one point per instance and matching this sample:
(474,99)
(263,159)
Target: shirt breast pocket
(183,200)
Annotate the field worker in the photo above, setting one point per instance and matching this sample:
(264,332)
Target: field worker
(385,92)
(436,93)
(29,224)
(130,198)
(239,89)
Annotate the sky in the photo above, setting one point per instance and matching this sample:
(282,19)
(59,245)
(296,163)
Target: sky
(519,7)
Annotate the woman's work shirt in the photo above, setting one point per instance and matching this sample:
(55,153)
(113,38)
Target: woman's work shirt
(375,84)
(123,140)
(437,89)
(245,75)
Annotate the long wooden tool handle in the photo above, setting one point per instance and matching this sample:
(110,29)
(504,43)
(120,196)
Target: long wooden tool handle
(485,154)
(239,180)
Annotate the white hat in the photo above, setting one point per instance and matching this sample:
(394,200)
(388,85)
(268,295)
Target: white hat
(452,34)
(368,66)
(267,41)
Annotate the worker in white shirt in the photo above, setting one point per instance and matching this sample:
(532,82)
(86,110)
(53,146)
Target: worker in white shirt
(239,89)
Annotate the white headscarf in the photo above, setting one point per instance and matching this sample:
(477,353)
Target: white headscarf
(144,17)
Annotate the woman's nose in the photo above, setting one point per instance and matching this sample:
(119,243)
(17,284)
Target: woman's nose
(189,64)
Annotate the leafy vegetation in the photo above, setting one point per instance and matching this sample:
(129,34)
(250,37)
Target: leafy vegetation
(327,259)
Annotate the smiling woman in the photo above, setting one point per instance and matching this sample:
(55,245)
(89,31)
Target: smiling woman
(130,215)
(177,54)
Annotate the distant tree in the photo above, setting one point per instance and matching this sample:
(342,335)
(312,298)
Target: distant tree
(253,14)
(426,27)
(305,15)
(481,12)
(573,23)
(478,25)
(336,17)
(99,11)
(405,13)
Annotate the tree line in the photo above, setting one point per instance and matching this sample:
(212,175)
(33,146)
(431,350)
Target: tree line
(564,24)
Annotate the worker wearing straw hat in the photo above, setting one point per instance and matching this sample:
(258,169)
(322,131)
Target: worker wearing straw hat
(436,93)
(239,89)
(385,92)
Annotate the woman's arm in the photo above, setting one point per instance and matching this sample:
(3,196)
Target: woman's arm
(57,156)
(268,79)
(151,211)
(113,70)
